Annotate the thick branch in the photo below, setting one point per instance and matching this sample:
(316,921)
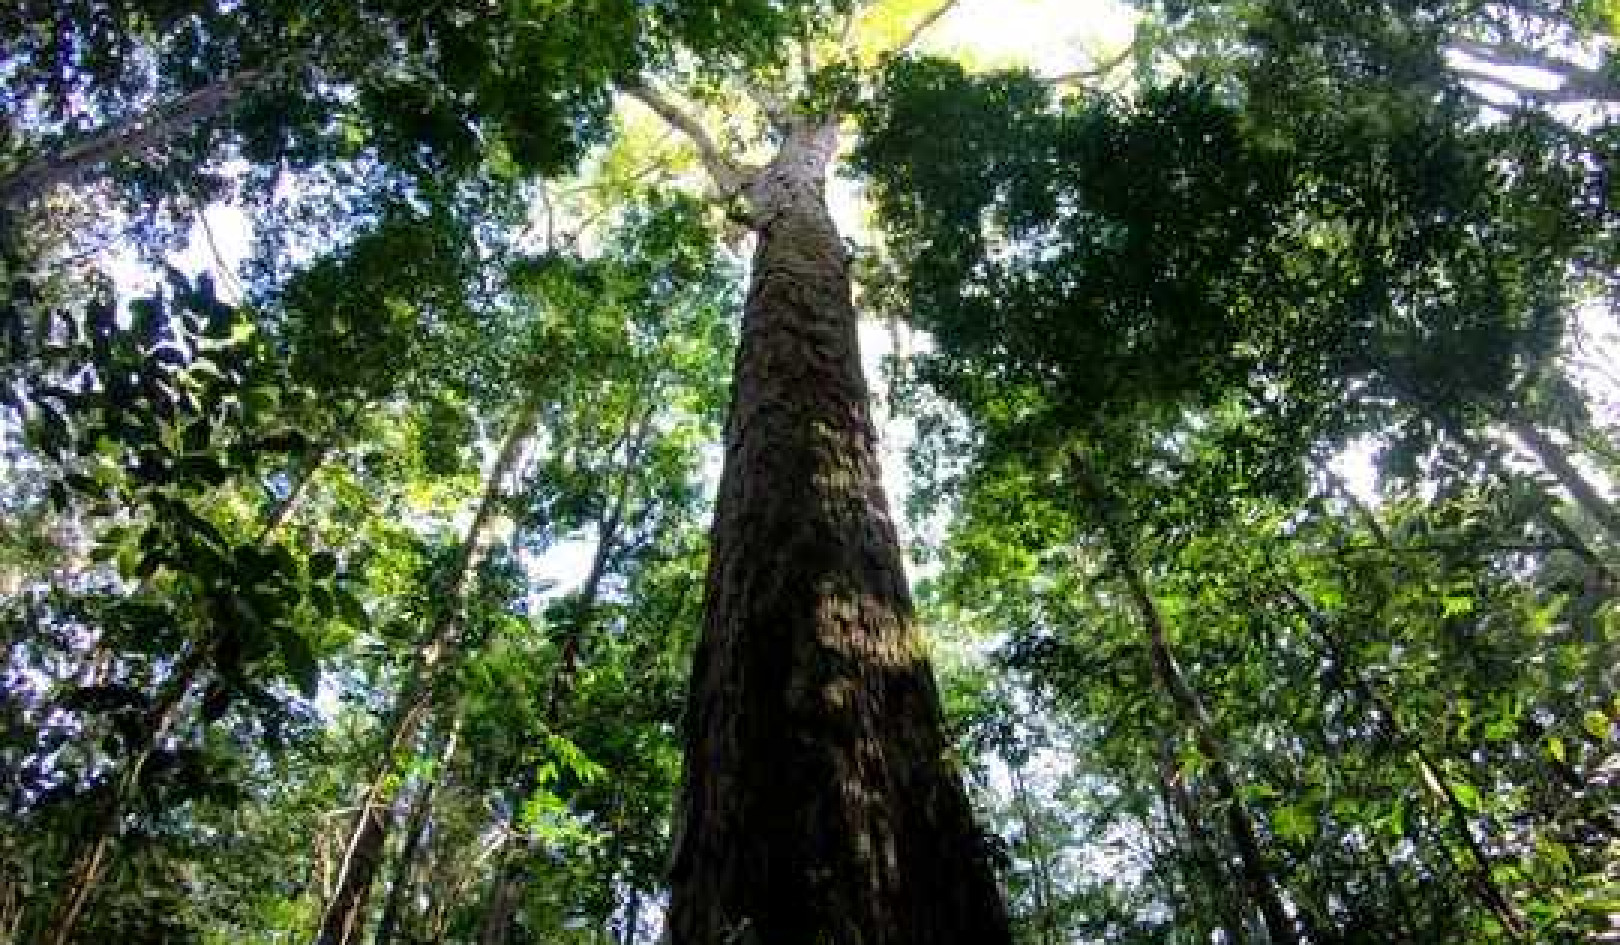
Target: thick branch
(846,34)
(772,104)
(807,56)
(728,175)
(148,130)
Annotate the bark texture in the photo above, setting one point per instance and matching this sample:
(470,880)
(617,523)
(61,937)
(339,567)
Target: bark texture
(821,805)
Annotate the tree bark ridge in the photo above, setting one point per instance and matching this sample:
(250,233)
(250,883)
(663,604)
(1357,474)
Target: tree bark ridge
(821,805)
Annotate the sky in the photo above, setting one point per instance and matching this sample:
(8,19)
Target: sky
(1048,36)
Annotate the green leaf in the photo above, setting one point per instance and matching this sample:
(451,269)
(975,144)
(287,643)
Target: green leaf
(1293,823)
(1457,606)
(1466,794)
(354,613)
(300,660)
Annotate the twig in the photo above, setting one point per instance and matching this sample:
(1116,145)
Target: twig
(807,55)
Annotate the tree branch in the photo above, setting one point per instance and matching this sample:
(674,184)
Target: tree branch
(772,104)
(1580,84)
(846,34)
(1097,71)
(728,176)
(807,55)
(150,129)
(924,24)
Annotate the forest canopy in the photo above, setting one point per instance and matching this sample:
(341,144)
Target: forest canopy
(790,472)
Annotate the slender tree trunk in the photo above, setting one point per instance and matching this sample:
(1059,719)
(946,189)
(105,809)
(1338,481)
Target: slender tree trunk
(632,918)
(519,844)
(344,920)
(88,867)
(820,804)
(1556,460)
(152,129)
(1479,873)
(511,876)
(416,828)
(1040,859)
(1210,873)
(1256,876)
(1547,513)
(84,876)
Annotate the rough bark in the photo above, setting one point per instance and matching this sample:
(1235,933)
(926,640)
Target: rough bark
(820,803)
(343,922)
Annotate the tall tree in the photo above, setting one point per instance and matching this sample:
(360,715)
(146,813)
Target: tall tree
(820,802)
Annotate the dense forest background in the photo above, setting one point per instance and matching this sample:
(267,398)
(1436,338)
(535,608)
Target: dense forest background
(1255,376)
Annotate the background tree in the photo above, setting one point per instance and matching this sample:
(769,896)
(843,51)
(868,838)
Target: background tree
(1263,476)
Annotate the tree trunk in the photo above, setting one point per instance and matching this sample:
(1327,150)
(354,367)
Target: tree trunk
(152,129)
(820,803)
(1040,859)
(88,867)
(416,828)
(506,892)
(519,843)
(1209,874)
(344,920)
(1253,871)
(1556,460)
(632,918)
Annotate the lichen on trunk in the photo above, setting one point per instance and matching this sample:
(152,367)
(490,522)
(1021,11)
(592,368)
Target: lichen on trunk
(821,804)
